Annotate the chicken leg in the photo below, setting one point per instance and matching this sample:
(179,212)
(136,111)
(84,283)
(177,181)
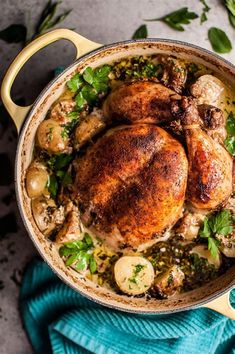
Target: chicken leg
(210,165)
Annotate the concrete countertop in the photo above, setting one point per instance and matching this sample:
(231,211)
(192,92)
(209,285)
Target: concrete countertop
(102,21)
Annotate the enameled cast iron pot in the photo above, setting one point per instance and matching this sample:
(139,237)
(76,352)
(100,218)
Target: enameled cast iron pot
(214,295)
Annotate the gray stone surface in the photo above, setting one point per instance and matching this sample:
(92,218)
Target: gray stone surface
(101,21)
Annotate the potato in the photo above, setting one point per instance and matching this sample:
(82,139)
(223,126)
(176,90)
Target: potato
(133,275)
(46,214)
(36,179)
(52,137)
(61,109)
(207,90)
(203,252)
(168,283)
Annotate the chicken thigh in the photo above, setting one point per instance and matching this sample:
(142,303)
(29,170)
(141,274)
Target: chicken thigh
(139,102)
(210,165)
(131,184)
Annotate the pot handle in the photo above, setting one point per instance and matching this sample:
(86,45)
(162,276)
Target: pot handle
(82,45)
(222,305)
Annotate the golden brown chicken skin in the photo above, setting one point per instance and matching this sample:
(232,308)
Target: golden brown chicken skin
(131,184)
(210,165)
(139,102)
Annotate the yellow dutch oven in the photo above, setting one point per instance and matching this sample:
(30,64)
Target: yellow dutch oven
(215,294)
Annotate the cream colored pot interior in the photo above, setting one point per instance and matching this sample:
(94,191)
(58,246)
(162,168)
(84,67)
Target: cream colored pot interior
(24,155)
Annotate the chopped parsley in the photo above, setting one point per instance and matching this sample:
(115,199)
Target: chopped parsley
(230,127)
(216,224)
(80,254)
(136,271)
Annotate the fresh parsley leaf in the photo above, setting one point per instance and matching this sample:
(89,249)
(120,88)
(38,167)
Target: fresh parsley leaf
(80,100)
(205,9)
(230,127)
(52,186)
(73,115)
(88,239)
(48,19)
(230,124)
(79,254)
(89,94)
(231,19)
(14,33)
(213,245)
(177,18)
(230,4)
(92,265)
(88,75)
(75,82)
(216,224)
(205,231)
(141,32)
(221,223)
(67,179)
(103,72)
(62,161)
(219,40)
(230,144)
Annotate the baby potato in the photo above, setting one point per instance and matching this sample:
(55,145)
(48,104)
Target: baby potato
(52,137)
(36,180)
(133,275)
(203,252)
(168,283)
(61,109)
(207,90)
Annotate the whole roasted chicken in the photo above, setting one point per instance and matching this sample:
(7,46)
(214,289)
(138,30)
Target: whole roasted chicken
(133,182)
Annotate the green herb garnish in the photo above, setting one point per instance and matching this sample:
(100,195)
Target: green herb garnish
(141,32)
(216,224)
(219,40)
(24,33)
(52,185)
(177,18)
(79,254)
(89,85)
(230,5)
(136,271)
(205,9)
(58,164)
(230,127)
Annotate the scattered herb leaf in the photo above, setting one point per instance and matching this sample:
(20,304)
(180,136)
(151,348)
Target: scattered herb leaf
(79,254)
(141,32)
(14,34)
(216,224)
(219,40)
(52,185)
(230,127)
(177,18)
(205,9)
(75,82)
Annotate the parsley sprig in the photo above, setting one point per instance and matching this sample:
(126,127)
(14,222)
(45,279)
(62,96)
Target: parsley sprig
(205,10)
(230,127)
(216,224)
(79,254)
(58,165)
(89,85)
(178,18)
(230,5)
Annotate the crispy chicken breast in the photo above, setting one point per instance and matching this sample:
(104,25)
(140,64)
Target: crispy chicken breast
(131,184)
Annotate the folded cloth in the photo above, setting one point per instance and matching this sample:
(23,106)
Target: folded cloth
(58,320)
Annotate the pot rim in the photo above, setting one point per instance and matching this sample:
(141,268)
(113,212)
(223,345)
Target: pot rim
(198,303)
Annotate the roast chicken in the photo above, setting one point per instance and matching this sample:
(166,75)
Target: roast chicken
(132,183)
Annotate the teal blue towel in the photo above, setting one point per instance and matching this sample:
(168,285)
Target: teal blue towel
(58,320)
